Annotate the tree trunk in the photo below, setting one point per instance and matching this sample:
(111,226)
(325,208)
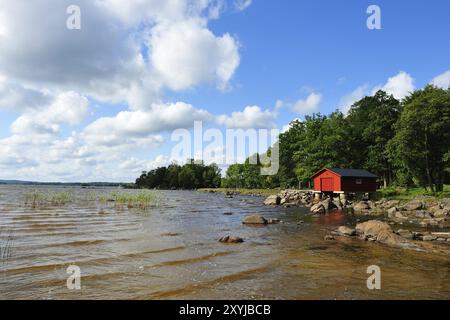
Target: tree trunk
(427,164)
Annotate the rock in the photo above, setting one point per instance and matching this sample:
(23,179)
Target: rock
(390,204)
(429,237)
(372,228)
(434,209)
(392,211)
(255,219)
(440,213)
(406,234)
(421,214)
(273,221)
(361,206)
(328,205)
(445,203)
(300,222)
(378,231)
(399,215)
(346,231)
(338,204)
(413,205)
(318,209)
(273,200)
(329,238)
(229,239)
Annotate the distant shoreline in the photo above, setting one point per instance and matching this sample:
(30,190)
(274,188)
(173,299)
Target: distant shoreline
(67,184)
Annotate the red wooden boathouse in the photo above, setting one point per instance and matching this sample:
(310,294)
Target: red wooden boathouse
(344,181)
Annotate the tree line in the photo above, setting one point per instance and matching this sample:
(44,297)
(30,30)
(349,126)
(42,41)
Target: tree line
(406,143)
(189,176)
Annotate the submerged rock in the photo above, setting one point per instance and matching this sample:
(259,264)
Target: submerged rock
(230,239)
(318,209)
(428,237)
(255,219)
(273,200)
(346,231)
(274,221)
(378,231)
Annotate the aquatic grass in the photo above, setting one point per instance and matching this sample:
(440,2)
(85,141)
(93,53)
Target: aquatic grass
(37,198)
(5,246)
(141,200)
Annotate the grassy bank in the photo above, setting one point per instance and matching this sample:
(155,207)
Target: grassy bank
(413,193)
(245,192)
(389,193)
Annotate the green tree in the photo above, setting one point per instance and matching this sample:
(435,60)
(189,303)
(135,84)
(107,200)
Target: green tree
(371,123)
(422,141)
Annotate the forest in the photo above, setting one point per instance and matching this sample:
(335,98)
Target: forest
(406,143)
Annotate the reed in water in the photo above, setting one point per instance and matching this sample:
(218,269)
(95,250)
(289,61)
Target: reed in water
(37,198)
(141,200)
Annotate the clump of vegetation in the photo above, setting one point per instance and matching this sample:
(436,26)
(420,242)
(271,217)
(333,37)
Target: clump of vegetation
(244,192)
(5,246)
(37,198)
(140,200)
(400,193)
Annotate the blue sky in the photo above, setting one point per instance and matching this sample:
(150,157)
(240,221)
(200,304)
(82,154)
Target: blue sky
(214,58)
(290,46)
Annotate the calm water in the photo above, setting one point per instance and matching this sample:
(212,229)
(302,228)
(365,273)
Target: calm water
(172,252)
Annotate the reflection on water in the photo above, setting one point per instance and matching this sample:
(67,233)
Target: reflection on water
(172,252)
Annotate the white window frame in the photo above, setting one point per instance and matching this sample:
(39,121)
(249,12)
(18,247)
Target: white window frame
(359,181)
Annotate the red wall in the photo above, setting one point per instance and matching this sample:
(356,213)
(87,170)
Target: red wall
(327,174)
(368,184)
(345,184)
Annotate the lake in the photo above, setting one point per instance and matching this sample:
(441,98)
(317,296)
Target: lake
(171,251)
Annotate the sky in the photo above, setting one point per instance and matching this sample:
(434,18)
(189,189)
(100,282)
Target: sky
(102,102)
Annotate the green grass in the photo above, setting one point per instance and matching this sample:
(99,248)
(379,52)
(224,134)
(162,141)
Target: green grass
(140,200)
(412,193)
(37,198)
(258,192)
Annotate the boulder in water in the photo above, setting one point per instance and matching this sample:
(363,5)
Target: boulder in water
(255,219)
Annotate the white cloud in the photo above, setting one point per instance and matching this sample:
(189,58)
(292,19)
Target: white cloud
(347,101)
(127,52)
(308,105)
(186,53)
(67,108)
(105,59)
(253,117)
(241,5)
(400,85)
(442,81)
(140,126)
(19,98)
